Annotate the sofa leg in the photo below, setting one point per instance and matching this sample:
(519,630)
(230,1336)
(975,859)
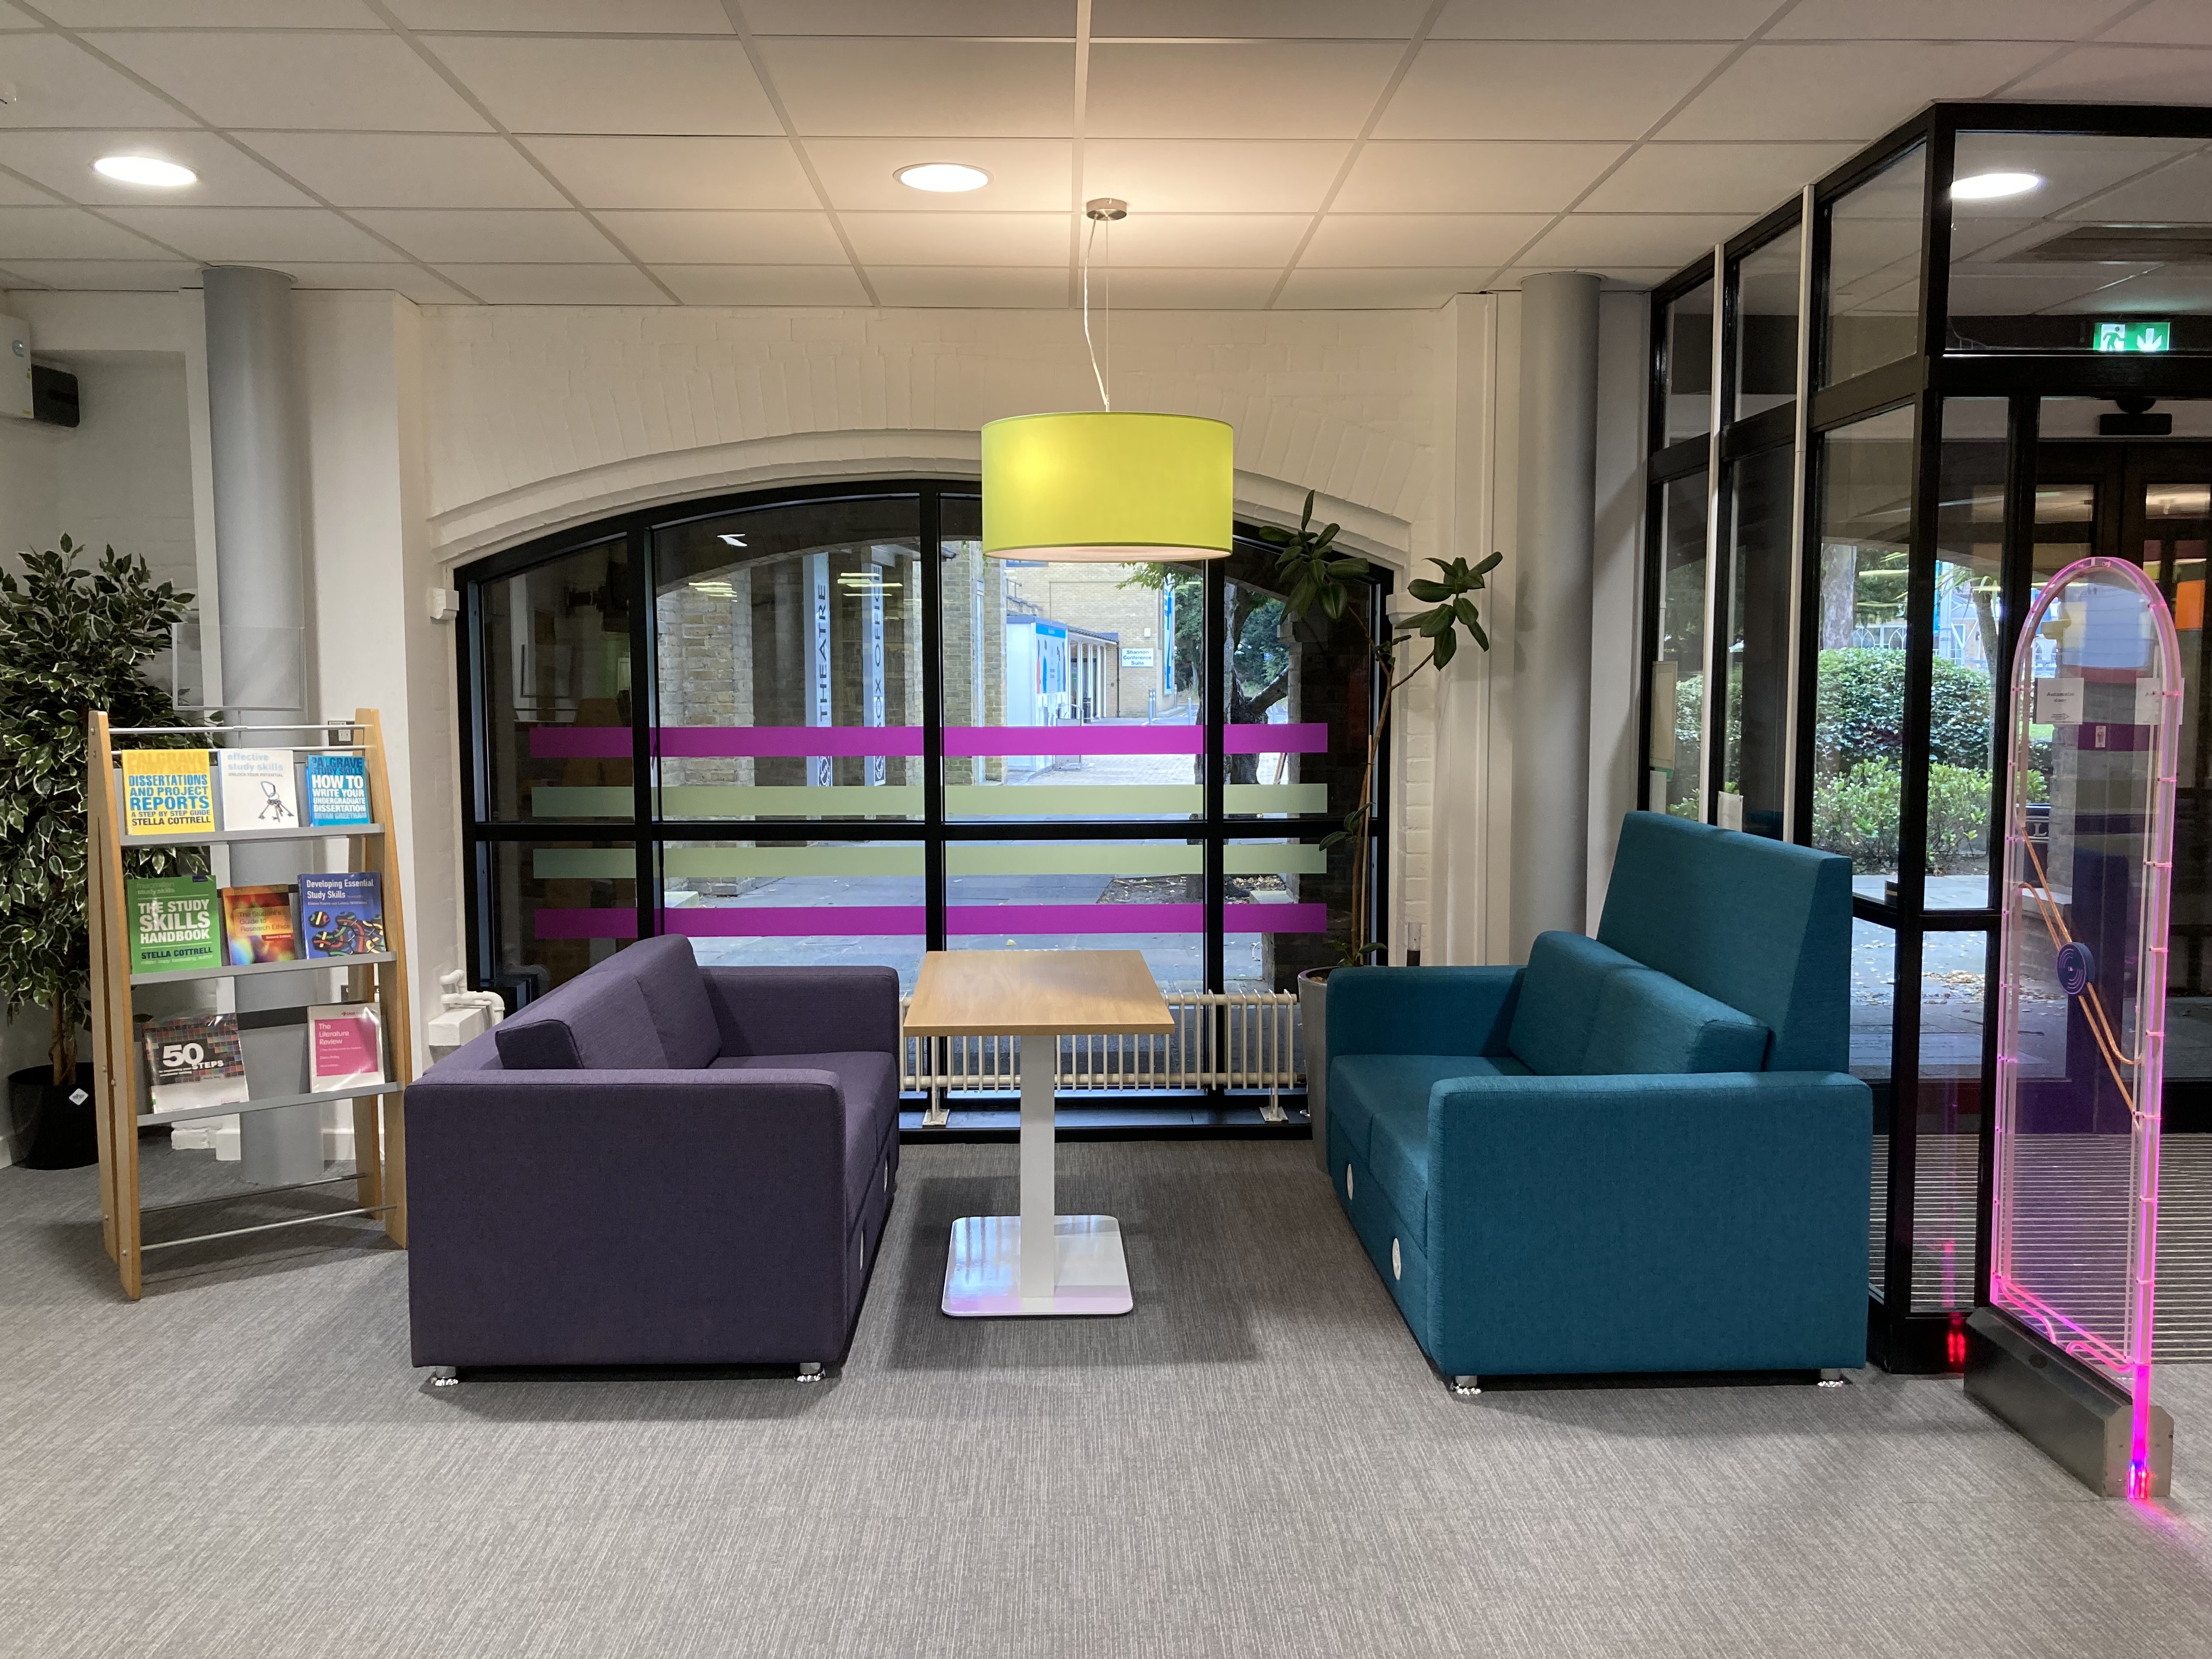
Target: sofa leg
(1466,1386)
(810,1371)
(445,1377)
(1830,1377)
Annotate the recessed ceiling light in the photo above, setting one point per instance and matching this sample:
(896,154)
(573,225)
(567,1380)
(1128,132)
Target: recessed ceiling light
(1987,187)
(145,170)
(943,177)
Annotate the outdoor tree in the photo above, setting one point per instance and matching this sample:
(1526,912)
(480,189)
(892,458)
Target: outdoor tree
(72,637)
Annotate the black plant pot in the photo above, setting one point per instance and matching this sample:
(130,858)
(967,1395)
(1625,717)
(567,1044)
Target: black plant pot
(59,1129)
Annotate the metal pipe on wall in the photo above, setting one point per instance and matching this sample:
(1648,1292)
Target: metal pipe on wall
(256,429)
(1556,530)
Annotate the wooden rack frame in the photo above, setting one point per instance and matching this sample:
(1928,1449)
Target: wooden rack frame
(380,1150)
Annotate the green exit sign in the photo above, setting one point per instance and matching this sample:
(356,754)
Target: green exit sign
(2134,336)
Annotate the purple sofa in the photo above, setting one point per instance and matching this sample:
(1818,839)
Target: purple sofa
(657,1165)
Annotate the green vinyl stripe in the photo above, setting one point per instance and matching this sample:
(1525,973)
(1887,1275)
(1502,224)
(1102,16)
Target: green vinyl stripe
(831,858)
(583,864)
(1278,859)
(1084,859)
(735,800)
(763,801)
(1073,800)
(1274,798)
(572,800)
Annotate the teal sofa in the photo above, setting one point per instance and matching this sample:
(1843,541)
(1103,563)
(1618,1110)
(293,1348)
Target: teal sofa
(1640,1153)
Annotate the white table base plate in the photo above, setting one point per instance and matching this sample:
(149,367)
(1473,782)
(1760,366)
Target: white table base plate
(983,1273)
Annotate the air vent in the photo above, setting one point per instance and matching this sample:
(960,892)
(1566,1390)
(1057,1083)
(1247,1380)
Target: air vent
(2123,244)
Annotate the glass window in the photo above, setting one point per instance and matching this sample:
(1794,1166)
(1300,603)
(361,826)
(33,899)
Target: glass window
(1946,1168)
(1689,364)
(1874,1013)
(556,688)
(1767,326)
(561,907)
(1145,895)
(2071,242)
(1962,716)
(789,639)
(1874,268)
(1755,761)
(822,902)
(1677,699)
(1287,685)
(1858,719)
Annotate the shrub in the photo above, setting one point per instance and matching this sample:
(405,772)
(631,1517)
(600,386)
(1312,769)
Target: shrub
(1859,710)
(1855,813)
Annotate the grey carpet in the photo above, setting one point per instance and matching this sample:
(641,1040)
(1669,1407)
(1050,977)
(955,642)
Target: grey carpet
(1257,1461)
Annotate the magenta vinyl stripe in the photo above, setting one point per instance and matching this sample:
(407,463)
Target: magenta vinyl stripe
(961,742)
(907,921)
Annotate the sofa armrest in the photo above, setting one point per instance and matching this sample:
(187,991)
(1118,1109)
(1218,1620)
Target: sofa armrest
(804,1011)
(1676,1216)
(1420,1010)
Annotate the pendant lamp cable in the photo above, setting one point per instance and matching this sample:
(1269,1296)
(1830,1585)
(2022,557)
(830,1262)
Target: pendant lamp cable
(1102,211)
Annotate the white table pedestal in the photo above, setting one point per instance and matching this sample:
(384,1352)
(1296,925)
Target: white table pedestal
(1036,1264)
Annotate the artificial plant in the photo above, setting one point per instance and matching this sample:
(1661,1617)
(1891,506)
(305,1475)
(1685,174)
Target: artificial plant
(72,636)
(1320,582)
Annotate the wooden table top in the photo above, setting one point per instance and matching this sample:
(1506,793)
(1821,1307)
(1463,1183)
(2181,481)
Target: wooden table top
(1035,994)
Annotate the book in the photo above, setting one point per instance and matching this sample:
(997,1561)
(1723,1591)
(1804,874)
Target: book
(257,789)
(342,916)
(257,925)
(337,789)
(167,792)
(345,1046)
(172,923)
(193,1061)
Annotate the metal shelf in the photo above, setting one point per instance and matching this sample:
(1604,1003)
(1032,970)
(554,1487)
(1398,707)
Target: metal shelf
(153,1120)
(305,832)
(173,975)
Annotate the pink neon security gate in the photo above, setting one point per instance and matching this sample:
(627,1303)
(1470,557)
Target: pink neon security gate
(2096,700)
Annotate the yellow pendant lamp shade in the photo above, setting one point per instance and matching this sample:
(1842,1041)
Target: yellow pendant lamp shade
(1108,488)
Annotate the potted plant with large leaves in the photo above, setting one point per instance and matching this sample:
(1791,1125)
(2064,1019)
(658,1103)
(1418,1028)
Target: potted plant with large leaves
(72,636)
(1321,584)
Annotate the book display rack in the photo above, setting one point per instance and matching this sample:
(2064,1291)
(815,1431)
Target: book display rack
(377,978)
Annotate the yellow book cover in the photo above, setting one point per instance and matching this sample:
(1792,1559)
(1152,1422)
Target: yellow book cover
(167,792)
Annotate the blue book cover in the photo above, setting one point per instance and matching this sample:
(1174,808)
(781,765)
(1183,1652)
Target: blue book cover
(337,789)
(343,915)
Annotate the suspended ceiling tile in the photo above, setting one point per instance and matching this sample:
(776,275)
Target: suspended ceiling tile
(63,161)
(318,81)
(409,169)
(557,285)
(2158,75)
(1027,174)
(567,16)
(1744,178)
(2167,22)
(539,83)
(962,238)
(1236,89)
(1211,175)
(211,14)
(21,192)
(764,285)
(1463,90)
(1601,19)
(11,18)
(1192,289)
(416,284)
(1407,288)
(940,17)
(706,239)
(2185,290)
(2008,296)
(1853,90)
(68,233)
(498,235)
(1633,238)
(98,275)
(1471,176)
(59,84)
(982,287)
(2178,193)
(1312,20)
(1432,239)
(1945,19)
(254,235)
(677,172)
(925,89)
(1200,241)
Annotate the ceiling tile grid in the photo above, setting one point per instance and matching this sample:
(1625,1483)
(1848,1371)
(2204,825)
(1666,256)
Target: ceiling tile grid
(1301,153)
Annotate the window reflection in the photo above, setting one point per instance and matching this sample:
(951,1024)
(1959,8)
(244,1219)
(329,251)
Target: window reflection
(1766,326)
(1874,268)
(1689,344)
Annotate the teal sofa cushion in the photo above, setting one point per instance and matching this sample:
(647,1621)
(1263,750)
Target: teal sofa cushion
(1559,992)
(1360,1085)
(1649,1023)
(1398,1159)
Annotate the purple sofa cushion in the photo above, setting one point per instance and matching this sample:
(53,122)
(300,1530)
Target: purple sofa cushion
(676,996)
(869,1086)
(598,1022)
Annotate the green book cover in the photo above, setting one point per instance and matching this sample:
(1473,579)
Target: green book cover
(175,922)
